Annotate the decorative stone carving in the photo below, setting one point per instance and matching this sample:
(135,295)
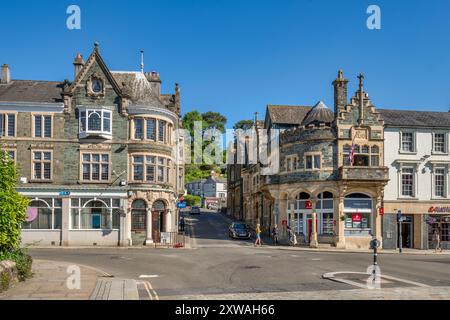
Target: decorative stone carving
(95,86)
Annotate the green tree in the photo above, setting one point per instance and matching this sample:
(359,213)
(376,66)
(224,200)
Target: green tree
(244,124)
(13,206)
(192,200)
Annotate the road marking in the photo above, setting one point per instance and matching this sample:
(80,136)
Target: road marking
(332,276)
(316,259)
(144,276)
(150,288)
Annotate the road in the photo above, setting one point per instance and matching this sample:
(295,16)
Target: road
(217,265)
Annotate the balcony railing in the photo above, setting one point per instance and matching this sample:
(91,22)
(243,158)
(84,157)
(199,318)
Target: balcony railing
(364,173)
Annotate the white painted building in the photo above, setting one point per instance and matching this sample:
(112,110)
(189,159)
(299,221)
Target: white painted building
(416,151)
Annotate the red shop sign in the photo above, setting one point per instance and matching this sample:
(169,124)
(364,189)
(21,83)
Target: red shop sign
(356,217)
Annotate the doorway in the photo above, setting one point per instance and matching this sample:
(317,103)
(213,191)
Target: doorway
(407,232)
(138,222)
(158,223)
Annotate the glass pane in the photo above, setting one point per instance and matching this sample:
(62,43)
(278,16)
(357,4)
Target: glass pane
(317,162)
(95,172)
(75,202)
(47,171)
(138,172)
(161,131)
(151,129)
(86,157)
(96,158)
(47,156)
(58,218)
(116,218)
(308,162)
(105,172)
(83,121)
(138,128)
(105,157)
(107,121)
(47,126)
(37,171)
(150,173)
(74,218)
(116,203)
(11,125)
(37,156)
(38,126)
(57,203)
(86,172)
(94,121)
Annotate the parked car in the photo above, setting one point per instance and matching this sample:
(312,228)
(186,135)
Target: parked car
(239,230)
(195,210)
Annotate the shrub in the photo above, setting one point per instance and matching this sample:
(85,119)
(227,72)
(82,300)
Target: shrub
(12,205)
(23,262)
(5,280)
(192,200)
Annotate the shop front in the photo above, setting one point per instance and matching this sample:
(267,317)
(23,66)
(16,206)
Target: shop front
(438,222)
(358,220)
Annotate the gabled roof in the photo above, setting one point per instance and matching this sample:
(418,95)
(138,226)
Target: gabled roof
(95,56)
(31,91)
(411,118)
(285,114)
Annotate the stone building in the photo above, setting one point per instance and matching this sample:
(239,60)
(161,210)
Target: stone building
(319,192)
(98,156)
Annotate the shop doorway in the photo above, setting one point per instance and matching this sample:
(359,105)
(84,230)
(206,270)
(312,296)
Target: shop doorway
(407,232)
(138,222)
(158,215)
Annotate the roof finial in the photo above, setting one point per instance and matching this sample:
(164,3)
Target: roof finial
(340,74)
(96,44)
(361,79)
(142,61)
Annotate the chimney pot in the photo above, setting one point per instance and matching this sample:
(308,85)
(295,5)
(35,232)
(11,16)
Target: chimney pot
(6,76)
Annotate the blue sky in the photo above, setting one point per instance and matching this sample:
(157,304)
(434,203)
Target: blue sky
(236,57)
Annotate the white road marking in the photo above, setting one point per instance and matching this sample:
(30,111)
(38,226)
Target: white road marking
(316,259)
(145,276)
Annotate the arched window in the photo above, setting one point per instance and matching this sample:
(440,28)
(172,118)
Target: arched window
(44,214)
(138,215)
(95,215)
(358,213)
(94,121)
(159,206)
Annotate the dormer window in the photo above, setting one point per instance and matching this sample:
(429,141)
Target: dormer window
(95,123)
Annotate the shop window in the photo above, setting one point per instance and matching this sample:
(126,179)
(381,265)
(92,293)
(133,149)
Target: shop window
(441,224)
(44,214)
(90,214)
(358,213)
(138,215)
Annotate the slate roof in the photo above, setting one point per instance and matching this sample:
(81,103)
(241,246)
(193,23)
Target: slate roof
(284,114)
(410,118)
(31,91)
(138,87)
(319,113)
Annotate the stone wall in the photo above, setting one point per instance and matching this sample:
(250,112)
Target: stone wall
(8,274)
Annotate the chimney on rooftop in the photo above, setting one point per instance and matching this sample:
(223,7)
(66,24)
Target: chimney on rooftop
(6,77)
(78,64)
(155,82)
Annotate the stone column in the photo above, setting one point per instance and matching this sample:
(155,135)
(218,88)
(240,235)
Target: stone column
(314,243)
(168,222)
(149,227)
(340,224)
(65,222)
(125,225)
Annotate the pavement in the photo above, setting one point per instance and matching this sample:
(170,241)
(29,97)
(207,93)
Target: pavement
(216,267)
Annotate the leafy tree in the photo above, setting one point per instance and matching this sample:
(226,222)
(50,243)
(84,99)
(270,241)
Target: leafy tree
(244,124)
(13,206)
(192,200)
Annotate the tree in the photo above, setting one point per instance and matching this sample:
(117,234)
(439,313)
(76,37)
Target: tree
(13,205)
(192,200)
(244,124)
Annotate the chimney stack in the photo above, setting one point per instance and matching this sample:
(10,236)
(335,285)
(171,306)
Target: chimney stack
(78,65)
(340,92)
(155,82)
(6,77)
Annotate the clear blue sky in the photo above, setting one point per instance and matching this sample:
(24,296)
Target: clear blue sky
(236,57)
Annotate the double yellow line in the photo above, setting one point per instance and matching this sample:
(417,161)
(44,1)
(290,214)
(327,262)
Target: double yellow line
(151,292)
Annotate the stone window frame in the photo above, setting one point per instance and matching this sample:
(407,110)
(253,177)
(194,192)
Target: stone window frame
(294,163)
(100,153)
(167,135)
(33,124)
(42,161)
(313,154)
(433,140)
(414,142)
(167,172)
(8,150)
(5,129)
(359,151)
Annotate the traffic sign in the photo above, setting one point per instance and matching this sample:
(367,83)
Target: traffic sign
(181,205)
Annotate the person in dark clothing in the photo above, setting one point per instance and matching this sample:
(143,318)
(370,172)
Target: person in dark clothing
(275,235)
(182,224)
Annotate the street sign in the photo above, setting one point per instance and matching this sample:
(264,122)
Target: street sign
(64,193)
(181,205)
(375,243)
(399,215)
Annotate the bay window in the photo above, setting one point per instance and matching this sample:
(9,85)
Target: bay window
(150,129)
(150,169)
(95,122)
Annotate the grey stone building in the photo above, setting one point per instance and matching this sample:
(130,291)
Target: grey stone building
(98,156)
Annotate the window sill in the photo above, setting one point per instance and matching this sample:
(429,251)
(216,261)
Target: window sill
(95,134)
(408,198)
(41,181)
(434,153)
(94,182)
(407,152)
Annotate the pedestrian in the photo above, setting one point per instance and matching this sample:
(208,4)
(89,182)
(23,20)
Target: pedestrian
(258,235)
(275,235)
(437,240)
(182,224)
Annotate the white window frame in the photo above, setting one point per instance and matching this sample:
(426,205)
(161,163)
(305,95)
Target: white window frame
(102,112)
(414,142)
(433,185)
(313,155)
(433,137)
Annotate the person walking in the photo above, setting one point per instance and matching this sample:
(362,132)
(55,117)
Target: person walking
(275,235)
(437,241)
(258,235)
